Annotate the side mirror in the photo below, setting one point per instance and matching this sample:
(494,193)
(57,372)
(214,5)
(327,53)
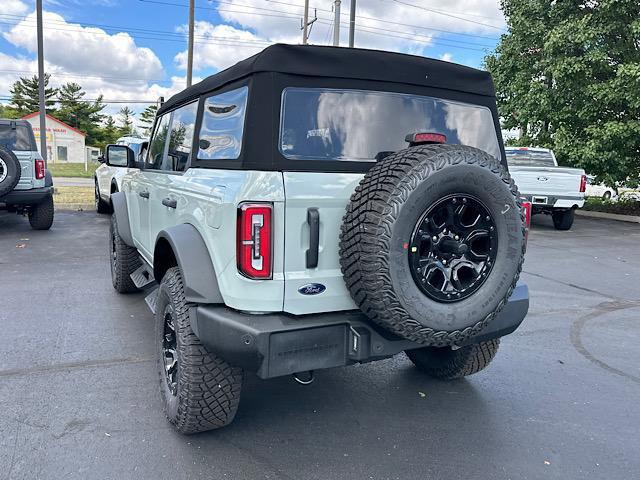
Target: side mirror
(101,159)
(120,156)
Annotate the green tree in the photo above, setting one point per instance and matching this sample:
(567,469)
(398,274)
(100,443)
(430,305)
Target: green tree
(25,95)
(567,77)
(79,113)
(8,112)
(125,117)
(108,133)
(147,118)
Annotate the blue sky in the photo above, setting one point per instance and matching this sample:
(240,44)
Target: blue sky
(135,50)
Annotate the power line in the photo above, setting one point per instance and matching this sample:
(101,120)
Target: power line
(8,98)
(439,12)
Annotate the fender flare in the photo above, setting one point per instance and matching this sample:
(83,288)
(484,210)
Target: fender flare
(119,202)
(48,179)
(193,259)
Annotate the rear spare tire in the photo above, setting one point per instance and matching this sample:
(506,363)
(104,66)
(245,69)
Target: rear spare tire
(432,242)
(10,171)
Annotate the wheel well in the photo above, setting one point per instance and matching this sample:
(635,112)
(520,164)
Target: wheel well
(163,259)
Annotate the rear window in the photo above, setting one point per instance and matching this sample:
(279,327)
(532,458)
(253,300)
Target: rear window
(18,138)
(360,125)
(529,158)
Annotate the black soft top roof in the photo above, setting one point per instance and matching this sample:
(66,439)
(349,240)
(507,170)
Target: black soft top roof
(340,62)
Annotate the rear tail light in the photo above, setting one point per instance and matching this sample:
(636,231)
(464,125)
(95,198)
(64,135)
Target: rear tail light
(40,169)
(254,240)
(526,208)
(583,183)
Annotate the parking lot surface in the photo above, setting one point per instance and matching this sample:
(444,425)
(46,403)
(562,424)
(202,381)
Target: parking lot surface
(79,396)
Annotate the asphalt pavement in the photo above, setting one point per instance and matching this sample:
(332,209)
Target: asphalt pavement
(79,391)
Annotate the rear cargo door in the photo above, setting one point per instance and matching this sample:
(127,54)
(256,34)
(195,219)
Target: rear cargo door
(314,206)
(27,162)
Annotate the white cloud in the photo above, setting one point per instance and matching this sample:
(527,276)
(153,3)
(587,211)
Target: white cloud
(219,46)
(79,49)
(14,7)
(447,57)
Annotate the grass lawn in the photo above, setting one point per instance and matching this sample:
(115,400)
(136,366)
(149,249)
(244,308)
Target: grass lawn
(73,195)
(72,170)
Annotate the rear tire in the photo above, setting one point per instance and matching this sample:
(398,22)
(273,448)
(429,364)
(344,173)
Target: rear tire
(200,391)
(41,215)
(447,364)
(124,261)
(563,219)
(606,196)
(101,205)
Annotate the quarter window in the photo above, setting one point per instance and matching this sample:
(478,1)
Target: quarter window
(222,125)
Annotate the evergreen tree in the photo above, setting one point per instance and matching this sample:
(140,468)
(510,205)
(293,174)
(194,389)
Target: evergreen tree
(147,118)
(25,95)
(78,113)
(125,116)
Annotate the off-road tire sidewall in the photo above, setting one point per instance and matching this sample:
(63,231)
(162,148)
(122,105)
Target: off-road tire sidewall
(101,205)
(377,229)
(484,185)
(127,261)
(13,171)
(41,215)
(208,388)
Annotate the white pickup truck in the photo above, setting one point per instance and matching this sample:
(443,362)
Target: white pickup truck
(550,189)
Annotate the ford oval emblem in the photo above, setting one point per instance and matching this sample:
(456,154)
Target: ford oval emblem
(312,289)
(542,179)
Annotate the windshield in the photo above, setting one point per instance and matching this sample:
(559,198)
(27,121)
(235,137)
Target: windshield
(17,138)
(530,158)
(363,126)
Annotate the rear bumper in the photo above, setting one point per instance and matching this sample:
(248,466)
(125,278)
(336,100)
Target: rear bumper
(543,201)
(280,344)
(26,197)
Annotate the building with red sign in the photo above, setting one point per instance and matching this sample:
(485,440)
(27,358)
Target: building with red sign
(65,144)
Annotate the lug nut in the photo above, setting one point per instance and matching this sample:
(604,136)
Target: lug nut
(434,238)
(457,237)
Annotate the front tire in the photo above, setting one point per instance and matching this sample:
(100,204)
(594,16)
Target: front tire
(447,364)
(41,215)
(200,391)
(101,205)
(563,219)
(124,261)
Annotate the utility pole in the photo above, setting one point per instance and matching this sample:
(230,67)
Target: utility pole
(336,24)
(190,47)
(305,26)
(352,23)
(43,111)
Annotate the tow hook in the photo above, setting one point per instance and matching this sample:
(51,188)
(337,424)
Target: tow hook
(308,381)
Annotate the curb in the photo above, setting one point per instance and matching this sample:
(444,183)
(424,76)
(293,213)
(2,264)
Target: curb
(609,216)
(74,207)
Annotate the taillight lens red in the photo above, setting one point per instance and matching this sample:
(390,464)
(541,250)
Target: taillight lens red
(254,250)
(583,184)
(526,207)
(40,169)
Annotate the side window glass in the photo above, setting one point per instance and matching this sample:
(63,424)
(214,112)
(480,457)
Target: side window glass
(222,125)
(181,138)
(155,154)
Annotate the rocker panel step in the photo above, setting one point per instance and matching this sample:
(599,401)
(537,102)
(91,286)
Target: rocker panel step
(142,276)
(152,299)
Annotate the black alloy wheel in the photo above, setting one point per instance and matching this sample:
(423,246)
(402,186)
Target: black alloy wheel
(453,248)
(169,350)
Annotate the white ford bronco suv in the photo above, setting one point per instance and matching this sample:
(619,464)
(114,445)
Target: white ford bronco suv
(314,207)
(26,186)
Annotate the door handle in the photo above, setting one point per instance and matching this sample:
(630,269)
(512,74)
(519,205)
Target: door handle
(144,194)
(313,219)
(169,202)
